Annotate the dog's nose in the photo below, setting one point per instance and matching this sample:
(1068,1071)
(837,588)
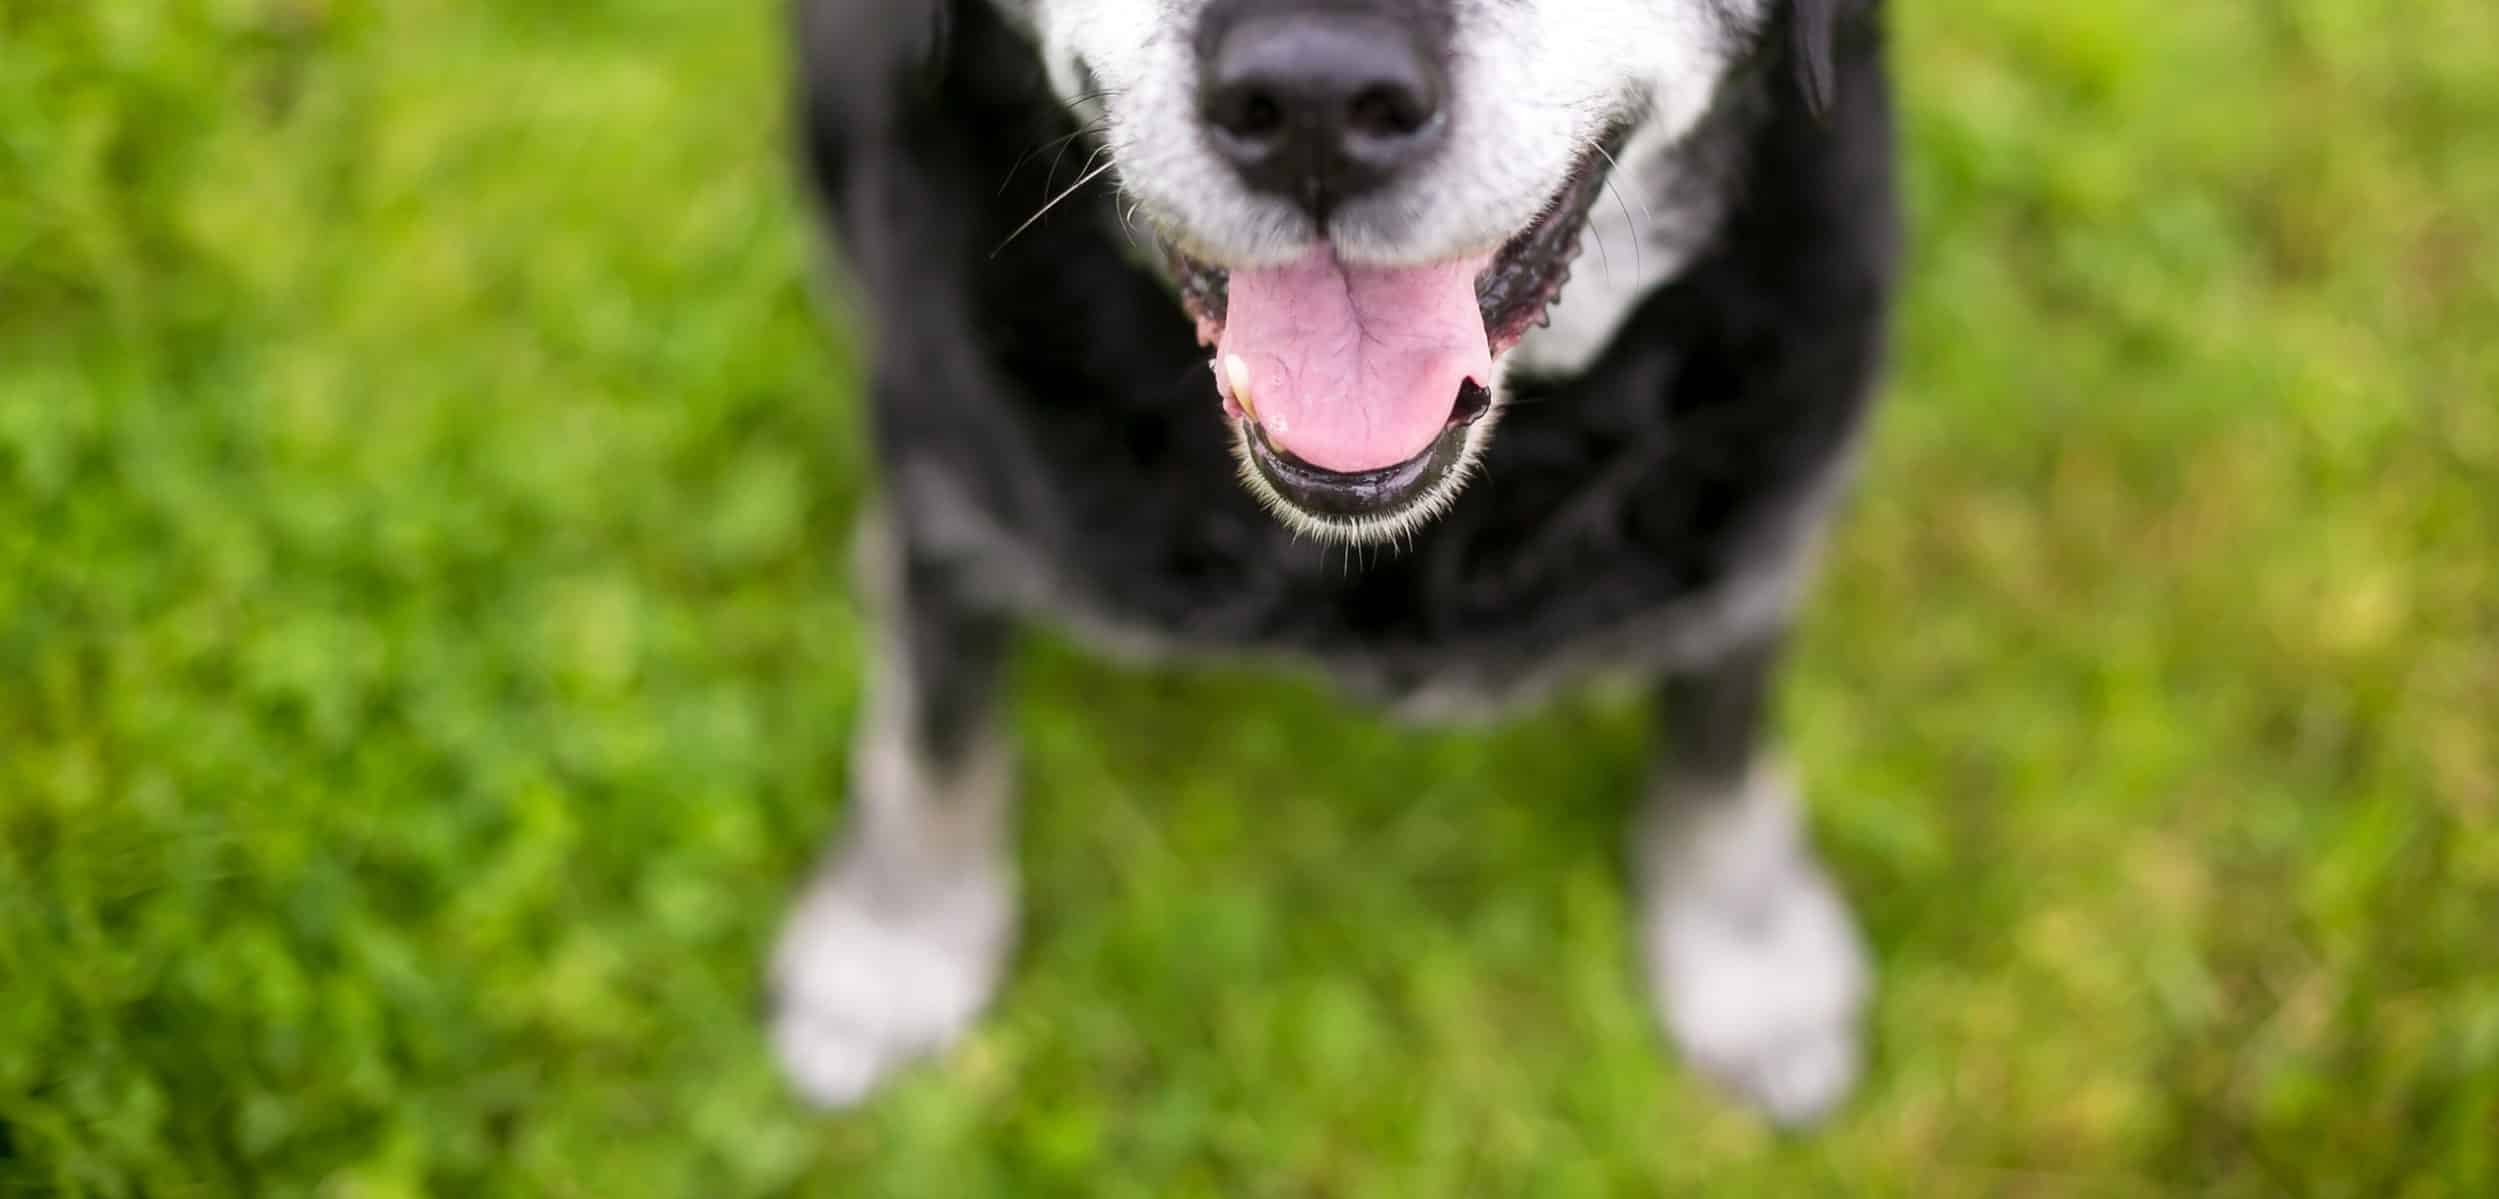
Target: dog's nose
(1320,107)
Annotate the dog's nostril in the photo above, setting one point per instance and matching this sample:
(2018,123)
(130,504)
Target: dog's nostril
(1256,116)
(1388,112)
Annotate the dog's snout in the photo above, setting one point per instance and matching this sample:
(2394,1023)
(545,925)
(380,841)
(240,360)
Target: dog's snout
(1320,107)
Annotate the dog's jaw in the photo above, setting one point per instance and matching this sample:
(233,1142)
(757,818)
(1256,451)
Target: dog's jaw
(1390,526)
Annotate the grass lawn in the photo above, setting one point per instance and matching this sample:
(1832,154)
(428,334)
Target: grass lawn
(426,650)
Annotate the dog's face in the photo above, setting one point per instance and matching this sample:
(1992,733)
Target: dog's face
(1366,203)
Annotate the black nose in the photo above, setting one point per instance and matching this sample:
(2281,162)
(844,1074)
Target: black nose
(1320,107)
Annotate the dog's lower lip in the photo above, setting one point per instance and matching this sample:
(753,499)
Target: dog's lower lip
(1473,404)
(1359,495)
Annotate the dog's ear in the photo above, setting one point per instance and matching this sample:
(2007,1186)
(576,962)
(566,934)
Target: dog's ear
(888,47)
(1811,27)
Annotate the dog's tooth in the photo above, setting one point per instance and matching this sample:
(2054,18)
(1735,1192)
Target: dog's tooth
(1237,370)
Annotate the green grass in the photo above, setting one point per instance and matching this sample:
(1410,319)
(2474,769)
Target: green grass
(425,652)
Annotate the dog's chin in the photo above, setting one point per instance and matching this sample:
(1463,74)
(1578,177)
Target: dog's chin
(1514,294)
(1367,507)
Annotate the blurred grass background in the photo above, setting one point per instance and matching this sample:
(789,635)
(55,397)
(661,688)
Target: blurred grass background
(425,655)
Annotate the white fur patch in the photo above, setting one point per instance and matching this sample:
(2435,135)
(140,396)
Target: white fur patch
(899,942)
(1647,227)
(1532,86)
(1759,970)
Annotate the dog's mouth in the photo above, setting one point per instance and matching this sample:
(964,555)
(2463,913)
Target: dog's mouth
(1360,395)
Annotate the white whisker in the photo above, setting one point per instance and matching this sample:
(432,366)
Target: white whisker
(1072,188)
(1061,142)
(1637,230)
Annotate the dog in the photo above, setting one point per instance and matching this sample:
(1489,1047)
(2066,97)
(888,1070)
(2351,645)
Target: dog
(1307,359)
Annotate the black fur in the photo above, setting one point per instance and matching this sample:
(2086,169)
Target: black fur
(1052,385)
(1810,32)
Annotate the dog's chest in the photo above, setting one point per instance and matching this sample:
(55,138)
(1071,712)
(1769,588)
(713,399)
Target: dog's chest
(1584,549)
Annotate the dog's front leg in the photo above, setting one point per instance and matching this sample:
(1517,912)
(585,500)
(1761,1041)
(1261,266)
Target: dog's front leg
(898,941)
(1758,967)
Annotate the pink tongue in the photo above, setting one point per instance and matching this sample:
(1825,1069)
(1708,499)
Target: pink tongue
(1354,368)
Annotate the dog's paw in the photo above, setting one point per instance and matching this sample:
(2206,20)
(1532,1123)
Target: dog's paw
(865,980)
(1766,1001)
(1759,970)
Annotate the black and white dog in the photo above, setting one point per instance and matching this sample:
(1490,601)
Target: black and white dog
(1332,247)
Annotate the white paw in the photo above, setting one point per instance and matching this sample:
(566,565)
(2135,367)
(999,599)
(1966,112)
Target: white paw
(1759,969)
(872,972)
